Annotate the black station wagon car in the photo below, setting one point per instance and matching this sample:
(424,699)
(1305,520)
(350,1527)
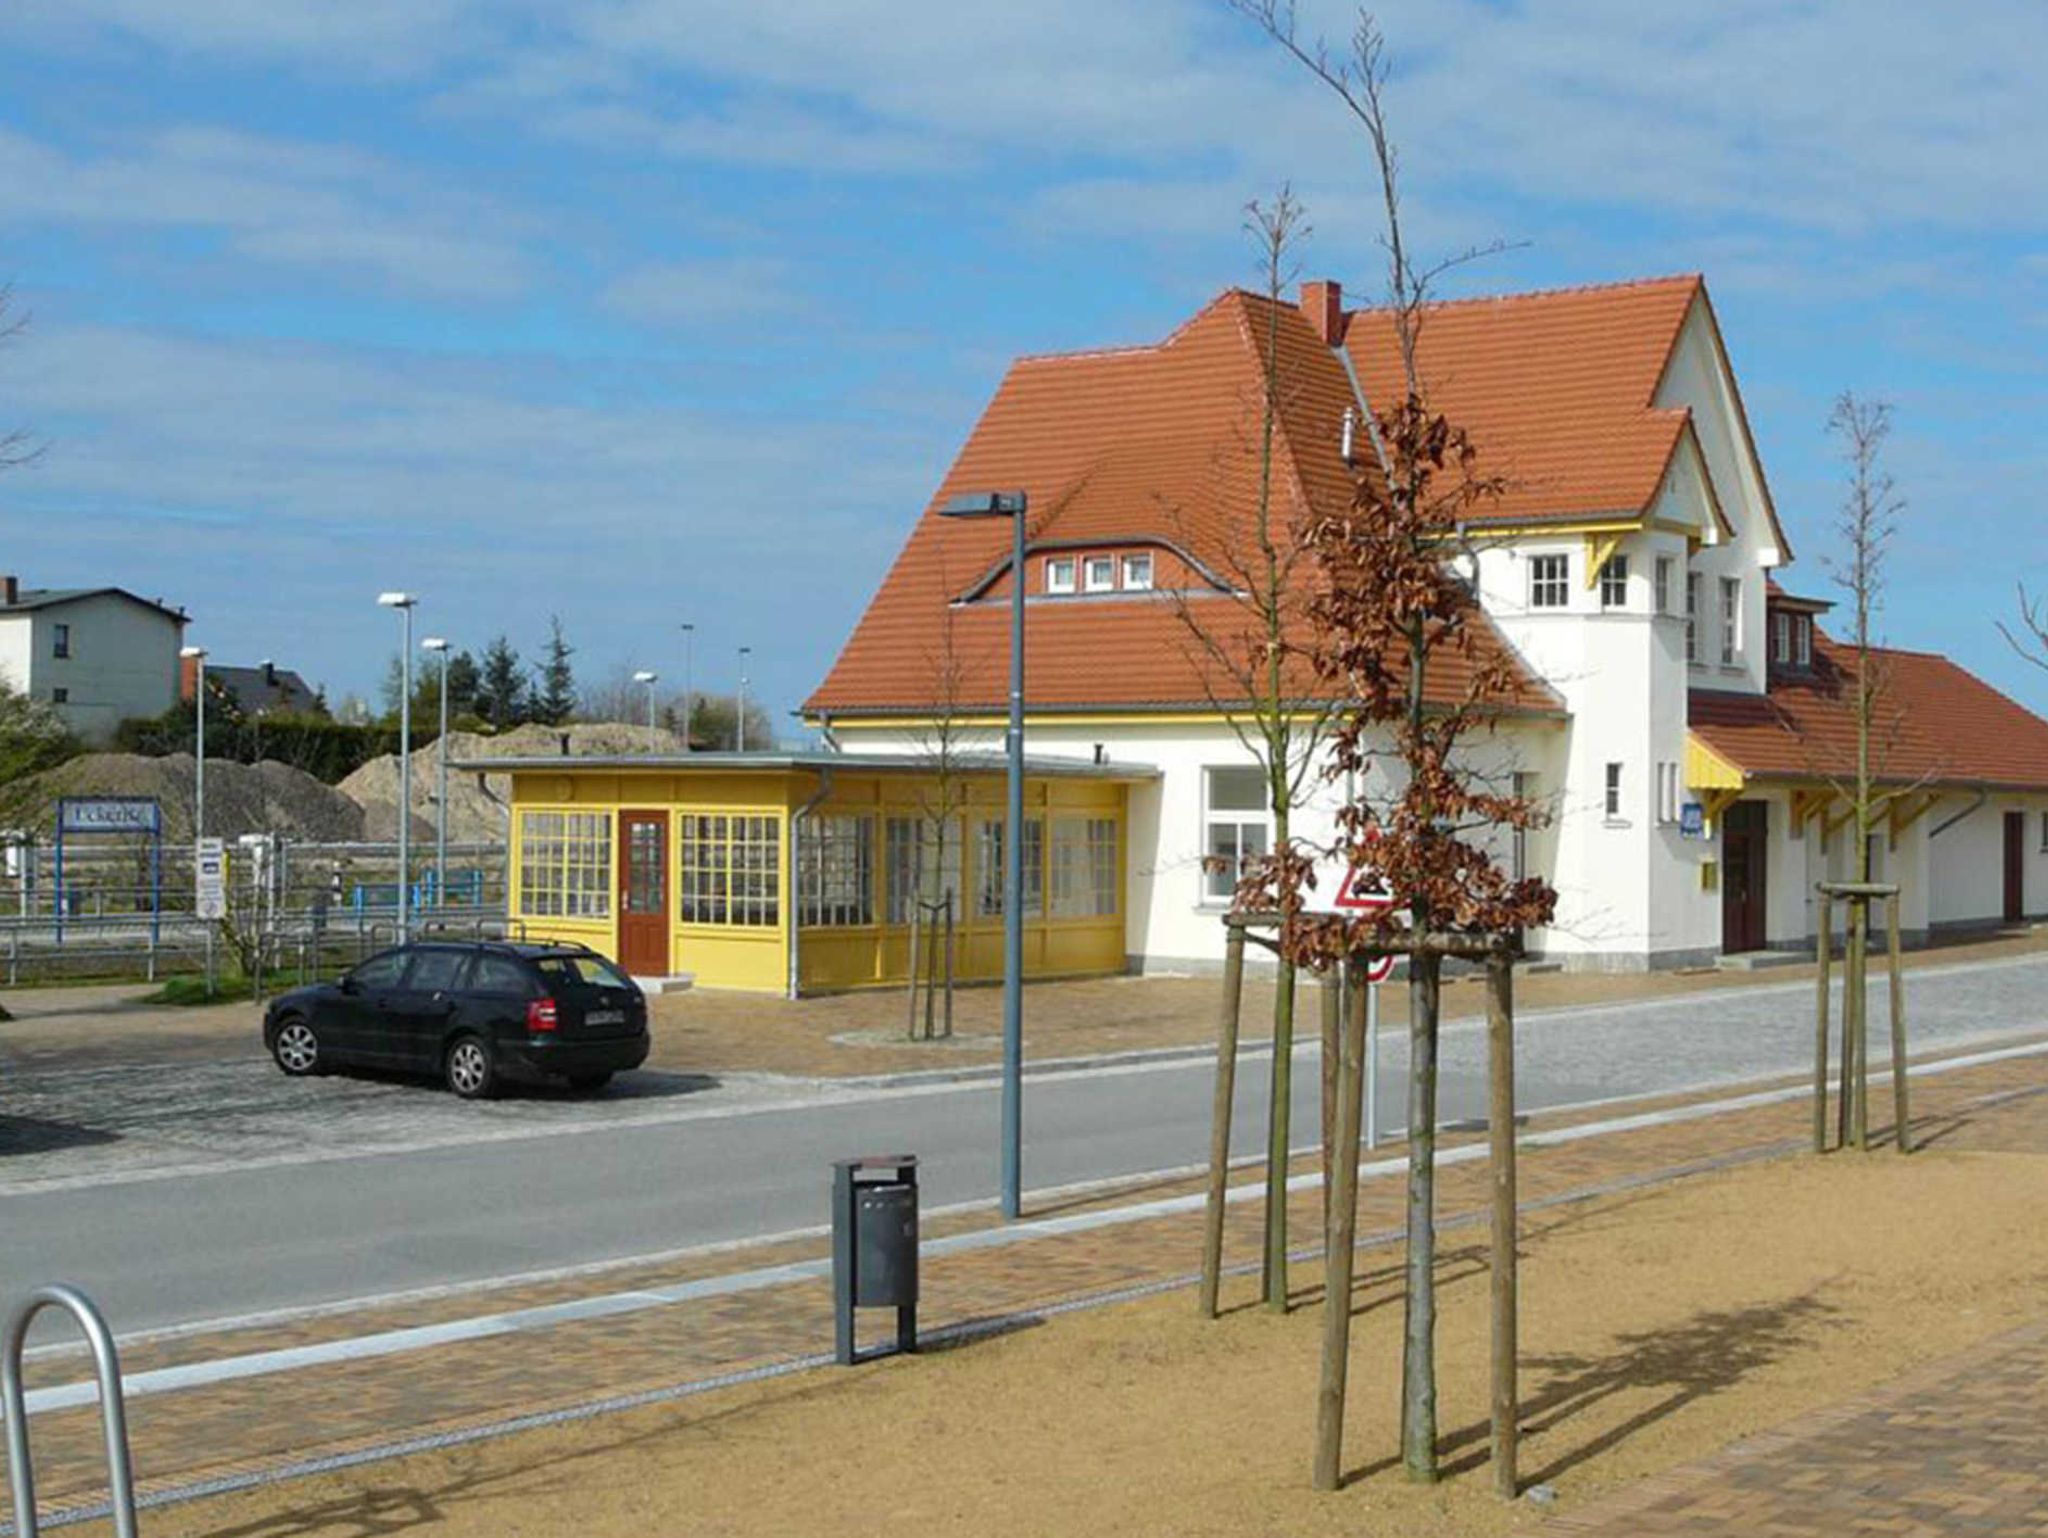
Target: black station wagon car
(476,1014)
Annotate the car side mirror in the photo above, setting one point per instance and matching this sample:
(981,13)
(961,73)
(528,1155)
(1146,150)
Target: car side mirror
(350,985)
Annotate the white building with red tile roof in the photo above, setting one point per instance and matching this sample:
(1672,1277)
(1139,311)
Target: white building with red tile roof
(1679,715)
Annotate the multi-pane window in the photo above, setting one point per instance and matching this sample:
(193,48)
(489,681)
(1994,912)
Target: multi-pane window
(1692,616)
(60,640)
(1083,867)
(1059,574)
(1238,828)
(1802,642)
(835,871)
(1667,791)
(1614,582)
(565,864)
(1549,581)
(988,866)
(1098,573)
(1781,637)
(1138,571)
(921,857)
(1613,791)
(1731,621)
(1663,570)
(731,869)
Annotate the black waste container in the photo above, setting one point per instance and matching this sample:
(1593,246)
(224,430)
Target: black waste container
(874,1246)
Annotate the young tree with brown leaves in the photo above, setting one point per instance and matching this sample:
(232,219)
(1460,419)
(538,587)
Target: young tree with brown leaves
(1394,619)
(1247,647)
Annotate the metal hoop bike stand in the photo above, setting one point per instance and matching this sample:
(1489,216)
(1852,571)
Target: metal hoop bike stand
(113,1412)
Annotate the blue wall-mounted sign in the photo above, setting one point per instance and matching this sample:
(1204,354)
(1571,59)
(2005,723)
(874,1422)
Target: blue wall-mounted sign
(1692,820)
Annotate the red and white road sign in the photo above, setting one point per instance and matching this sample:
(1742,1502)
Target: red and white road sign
(1354,891)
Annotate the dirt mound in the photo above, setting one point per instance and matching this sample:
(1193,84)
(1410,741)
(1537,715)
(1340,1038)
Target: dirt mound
(476,803)
(240,798)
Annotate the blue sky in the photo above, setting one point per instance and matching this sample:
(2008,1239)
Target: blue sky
(645,311)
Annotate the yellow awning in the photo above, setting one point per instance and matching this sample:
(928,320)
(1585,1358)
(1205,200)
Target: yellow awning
(1707,770)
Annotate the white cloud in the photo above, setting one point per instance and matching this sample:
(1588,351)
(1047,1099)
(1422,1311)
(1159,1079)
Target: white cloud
(302,205)
(709,292)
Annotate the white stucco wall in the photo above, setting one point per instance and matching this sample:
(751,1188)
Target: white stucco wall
(123,662)
(17,633)
(1968,885)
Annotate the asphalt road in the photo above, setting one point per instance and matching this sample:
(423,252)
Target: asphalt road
(178,1194)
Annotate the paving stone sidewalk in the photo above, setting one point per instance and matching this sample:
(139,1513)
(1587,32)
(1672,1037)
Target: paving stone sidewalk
(229,1429)
(1958,1447)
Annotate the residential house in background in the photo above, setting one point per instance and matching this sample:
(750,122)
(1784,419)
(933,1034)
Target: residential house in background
(97,655)
(263,690)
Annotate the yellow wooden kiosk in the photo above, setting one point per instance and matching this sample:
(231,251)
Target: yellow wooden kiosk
(801,872)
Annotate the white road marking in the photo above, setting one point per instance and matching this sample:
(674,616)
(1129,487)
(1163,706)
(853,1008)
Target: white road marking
(518,1321)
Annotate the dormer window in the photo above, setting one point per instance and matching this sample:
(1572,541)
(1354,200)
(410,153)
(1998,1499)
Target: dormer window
(1059,574)
(1138,572)
(1098,574)
(1802,641)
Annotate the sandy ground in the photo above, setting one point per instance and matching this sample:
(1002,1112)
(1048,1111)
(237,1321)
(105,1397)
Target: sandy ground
(1656,1328)
(862,1033)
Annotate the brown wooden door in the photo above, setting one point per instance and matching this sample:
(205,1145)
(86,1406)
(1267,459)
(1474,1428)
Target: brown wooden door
(643,893)
(2015,866)
(1743,868)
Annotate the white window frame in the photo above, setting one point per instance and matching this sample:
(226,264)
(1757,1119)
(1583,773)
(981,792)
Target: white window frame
(1091,565)
(1059,574)
(1802,641)
(835,874)
(1668,792)
(1219,886)
(1136,571)
(1731,621)
(1611,791)
(1663,584)
(60,641)
(1614,582)
(1781,638)
(1692,618)
(1550,581)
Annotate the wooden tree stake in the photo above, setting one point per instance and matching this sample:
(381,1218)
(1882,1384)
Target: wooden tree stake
(1898,991)
(1500,1077)
(1340,1237)
(1825,949)
(1858,980)
(1333,1003)
(1219,1121)
(1418,1373)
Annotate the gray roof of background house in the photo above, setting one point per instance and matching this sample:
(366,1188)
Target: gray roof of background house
(260,691)
(53,597)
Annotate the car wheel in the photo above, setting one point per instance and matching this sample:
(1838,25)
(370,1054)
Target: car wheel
(588,1083)
(296,1047)
(472,1071)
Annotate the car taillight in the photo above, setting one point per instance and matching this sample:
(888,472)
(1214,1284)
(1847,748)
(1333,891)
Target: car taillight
(540,1015)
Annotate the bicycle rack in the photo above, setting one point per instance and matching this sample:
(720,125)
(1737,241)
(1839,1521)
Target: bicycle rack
(113,1411)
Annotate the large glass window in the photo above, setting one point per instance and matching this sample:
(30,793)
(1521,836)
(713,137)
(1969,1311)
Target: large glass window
(921,856)
(565,864)
(731,869)
(1238,827)
(1083,867)
(988,867)
(835,871)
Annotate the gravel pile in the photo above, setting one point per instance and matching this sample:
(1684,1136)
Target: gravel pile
(240,798)
(476,812)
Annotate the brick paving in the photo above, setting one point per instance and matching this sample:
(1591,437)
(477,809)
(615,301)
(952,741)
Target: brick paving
(233,1428)
(1958,1447)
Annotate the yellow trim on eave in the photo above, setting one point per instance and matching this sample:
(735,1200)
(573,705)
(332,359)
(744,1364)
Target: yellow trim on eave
(1600,550)
(1706,769)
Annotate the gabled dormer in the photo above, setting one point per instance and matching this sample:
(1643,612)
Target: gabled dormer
(1789,631)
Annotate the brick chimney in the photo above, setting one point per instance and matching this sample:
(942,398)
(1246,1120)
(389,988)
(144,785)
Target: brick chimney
(10,588)
(1322,301)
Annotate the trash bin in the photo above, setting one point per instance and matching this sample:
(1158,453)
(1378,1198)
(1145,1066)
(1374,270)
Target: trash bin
(874,1246)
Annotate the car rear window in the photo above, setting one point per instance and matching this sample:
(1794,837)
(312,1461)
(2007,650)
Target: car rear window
(590,971)
(436,971)
(500,974)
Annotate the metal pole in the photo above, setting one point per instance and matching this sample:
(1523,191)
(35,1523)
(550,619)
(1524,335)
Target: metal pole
(1372,1061)
(740,716)
(1013,899)
(650,717)
(113,1406)
(199,767)
(405,778)
(441,796)
(689,684)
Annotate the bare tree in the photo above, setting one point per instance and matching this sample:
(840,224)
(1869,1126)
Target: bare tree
(2028,635)
(1247,644)
(937,838)
(1390,603)
(16,446)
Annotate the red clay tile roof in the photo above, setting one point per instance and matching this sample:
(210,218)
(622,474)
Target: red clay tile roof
(1555,388)
(1945,725)
(1141,445)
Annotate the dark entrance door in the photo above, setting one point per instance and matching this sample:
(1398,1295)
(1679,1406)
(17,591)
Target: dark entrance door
(643,893)
(1742,877)
(2015,867)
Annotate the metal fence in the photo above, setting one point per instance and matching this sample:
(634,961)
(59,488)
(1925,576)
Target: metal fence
(295,908)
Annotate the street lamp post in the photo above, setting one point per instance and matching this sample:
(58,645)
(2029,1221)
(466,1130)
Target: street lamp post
(1012,505)
(197,656)
(689,690)
(740,721)
(404,603)
(434,643)
(649,679)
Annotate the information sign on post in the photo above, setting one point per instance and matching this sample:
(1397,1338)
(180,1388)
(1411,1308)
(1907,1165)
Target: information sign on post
(210,879)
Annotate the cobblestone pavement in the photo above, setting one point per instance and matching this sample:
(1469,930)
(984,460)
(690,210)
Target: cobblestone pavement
(639,1342)
(1959,1447)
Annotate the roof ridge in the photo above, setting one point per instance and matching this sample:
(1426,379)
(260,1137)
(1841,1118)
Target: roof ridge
(1559,292)
(1131,349)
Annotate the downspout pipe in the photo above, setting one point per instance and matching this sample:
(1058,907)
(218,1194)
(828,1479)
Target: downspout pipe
(1949,822)
(796,928)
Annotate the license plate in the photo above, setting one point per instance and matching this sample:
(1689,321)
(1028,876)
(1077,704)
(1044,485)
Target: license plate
(605,1017)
